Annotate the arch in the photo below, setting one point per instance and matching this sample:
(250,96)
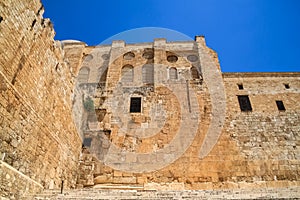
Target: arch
(148,53)
(195,73)
(148,73)
(129,55)
(173,73)
(192,58)
(83,75)
(102,73)
(172,58)
(127,73)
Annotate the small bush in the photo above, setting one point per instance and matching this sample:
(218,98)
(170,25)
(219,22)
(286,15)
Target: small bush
(88,104)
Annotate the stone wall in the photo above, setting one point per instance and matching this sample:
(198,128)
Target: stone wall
(16,185)
(267,138)
(230,148)
(189,134)
(38,137)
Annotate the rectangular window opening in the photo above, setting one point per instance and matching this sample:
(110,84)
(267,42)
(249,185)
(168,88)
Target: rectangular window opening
(287,86)
(241,87)
(280,105)
(244,102)
(135,104)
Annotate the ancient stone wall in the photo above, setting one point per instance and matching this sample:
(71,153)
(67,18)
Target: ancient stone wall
(267,138)
(155,115)
(230,149)
(38,137)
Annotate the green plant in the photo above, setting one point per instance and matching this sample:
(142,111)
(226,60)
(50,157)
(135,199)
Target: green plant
(88,104)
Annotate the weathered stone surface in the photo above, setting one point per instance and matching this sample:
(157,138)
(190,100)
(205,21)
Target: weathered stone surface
(134,193)
(185,130)
(14,181)
(229,146)
(37,135)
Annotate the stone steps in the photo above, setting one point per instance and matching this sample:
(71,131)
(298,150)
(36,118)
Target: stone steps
(128,194)
(118,187)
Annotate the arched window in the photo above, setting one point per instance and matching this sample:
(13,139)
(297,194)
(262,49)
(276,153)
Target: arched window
(128,56)
(127,73)
(102,73)
(173,73)
(148,73)
(83,75)
(195,73)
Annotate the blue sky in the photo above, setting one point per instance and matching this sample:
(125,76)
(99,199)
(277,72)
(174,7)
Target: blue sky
(248,35)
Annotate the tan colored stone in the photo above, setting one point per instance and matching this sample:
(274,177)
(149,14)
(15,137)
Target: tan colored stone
(125,180)
(101,179)
(229,149)
(117,173)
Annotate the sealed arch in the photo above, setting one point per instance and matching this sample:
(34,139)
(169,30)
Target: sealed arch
(83,75)
(128,56)
(173,73)
(172,58)
(148,73)
(195,73)
(127,73)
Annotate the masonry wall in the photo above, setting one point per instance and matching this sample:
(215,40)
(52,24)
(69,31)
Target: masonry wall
(38,137)
(267,138)
(230,149)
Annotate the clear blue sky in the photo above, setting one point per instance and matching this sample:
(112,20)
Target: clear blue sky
(248,35)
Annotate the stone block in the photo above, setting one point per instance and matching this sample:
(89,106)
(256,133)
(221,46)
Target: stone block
(125,180)
(117,173)
(101,179)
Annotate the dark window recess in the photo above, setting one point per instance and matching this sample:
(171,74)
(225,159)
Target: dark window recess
(1,19)
(241,87)
(287,86)
(87,142)
(244,102)
(280,105)
(135,104)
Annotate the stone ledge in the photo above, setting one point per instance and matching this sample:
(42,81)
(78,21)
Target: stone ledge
(259,74)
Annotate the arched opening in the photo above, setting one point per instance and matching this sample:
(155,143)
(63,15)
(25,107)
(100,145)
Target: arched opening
(148,73)
(83,75)
(195,73)
(173,73)
(128,56)
(127,73)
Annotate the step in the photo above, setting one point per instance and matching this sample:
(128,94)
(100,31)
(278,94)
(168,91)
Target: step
(134,192)
(118,187)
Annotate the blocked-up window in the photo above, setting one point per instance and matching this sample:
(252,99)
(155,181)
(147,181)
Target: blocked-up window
(280,105)
(127,73)
(148,73)
(173,73)
(83,75)
(135,104)
(244,102)
(195,73)
(102,74)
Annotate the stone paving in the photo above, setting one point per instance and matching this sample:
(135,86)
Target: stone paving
(97,194)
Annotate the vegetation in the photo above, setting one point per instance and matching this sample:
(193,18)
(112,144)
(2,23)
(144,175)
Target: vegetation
(88,104)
